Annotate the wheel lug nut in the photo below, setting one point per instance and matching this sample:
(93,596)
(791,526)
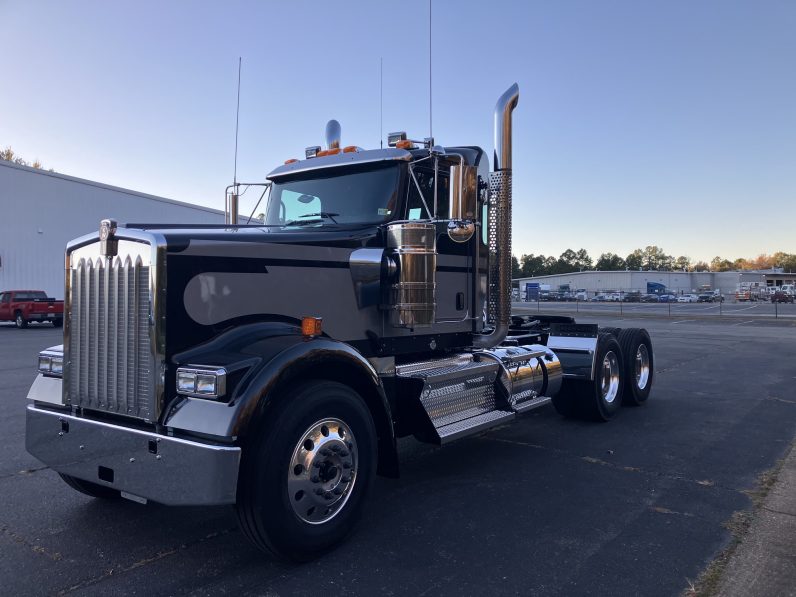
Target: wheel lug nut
(315,478)
(344,453)
(325,452)
(335,448)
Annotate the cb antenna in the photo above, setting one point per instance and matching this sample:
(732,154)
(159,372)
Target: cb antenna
(237,115)
(381,103)
(430,121)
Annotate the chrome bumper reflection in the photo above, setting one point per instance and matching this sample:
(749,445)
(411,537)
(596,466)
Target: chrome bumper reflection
(162,469)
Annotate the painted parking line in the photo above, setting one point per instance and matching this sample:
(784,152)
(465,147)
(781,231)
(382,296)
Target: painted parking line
(745,308)
(683,321)
(743,322)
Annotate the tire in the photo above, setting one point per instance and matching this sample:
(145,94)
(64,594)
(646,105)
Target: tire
(20,321)
(600,398)
(612,331)
(639,365)
(284,508)
(91,489)
(57,323)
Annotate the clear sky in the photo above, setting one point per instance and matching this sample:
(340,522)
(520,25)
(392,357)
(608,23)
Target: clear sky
(670,123)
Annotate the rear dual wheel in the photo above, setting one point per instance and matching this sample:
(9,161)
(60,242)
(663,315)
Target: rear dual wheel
(306,473)
(600,398)
(638,364)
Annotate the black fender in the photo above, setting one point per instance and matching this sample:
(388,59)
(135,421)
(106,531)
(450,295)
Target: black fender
(264,358)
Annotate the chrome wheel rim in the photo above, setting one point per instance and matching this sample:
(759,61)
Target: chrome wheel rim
(323,471)
(609,381)
(642,366)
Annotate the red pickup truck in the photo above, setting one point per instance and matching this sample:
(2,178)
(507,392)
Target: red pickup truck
(22,306)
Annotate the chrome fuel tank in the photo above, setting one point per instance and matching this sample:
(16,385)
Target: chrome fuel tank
(527,371)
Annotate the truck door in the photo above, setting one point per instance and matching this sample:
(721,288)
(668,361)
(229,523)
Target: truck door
(454,260)
(5,301)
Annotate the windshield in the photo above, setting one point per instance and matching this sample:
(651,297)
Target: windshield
(331,198)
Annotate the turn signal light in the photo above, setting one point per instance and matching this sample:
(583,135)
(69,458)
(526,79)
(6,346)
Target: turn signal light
(335,151)
(291,160)
(350,149)
(311,326)
(405,144)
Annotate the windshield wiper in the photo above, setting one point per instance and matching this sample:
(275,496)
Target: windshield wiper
(323,214)
(317,219)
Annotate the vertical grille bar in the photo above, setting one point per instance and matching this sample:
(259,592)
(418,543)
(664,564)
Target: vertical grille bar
(110,361)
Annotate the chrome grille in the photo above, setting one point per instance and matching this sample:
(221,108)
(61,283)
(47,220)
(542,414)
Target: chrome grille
(109,361)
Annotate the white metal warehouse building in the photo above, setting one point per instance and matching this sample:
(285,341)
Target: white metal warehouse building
(41,211)
(678,282)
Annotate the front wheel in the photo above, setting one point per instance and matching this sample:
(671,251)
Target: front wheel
(306,471)
(20,320)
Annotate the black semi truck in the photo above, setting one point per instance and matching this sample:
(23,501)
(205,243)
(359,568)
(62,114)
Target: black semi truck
(201,365)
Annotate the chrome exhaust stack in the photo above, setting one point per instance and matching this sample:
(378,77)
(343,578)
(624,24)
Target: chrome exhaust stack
(499,292)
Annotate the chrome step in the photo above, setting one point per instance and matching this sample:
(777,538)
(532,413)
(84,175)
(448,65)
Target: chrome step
(454,390)
(527,405)
(482,422)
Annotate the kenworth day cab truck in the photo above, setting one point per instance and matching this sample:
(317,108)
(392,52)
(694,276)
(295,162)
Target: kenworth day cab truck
(201,366)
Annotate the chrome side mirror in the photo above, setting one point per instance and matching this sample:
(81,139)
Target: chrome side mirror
(463,202)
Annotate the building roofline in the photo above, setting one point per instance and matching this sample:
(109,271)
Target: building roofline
(100,185)
(766,272)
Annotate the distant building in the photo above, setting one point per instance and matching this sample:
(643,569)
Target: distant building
(42,211)
(677,282)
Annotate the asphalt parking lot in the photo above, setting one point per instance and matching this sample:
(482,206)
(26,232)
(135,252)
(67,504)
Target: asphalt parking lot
(544,506)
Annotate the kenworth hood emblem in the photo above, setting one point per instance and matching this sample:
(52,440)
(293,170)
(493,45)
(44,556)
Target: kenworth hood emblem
(109,245)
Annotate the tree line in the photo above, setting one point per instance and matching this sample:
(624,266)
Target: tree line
(9,155)
(651,258)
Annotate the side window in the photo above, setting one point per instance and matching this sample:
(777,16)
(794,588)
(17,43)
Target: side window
(296,205)
(5,297)
(415,209)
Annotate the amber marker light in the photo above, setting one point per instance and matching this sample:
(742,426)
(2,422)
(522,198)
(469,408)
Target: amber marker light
(405,144)
(311,326)
(350,149)
(291,160)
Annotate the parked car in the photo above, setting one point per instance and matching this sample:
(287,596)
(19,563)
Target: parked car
(634,296)
(649,298)
(600,298)
(667,298)
(782,297)
(23,306)
(687,298)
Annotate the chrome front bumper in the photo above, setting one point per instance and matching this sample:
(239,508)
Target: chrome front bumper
(146,465)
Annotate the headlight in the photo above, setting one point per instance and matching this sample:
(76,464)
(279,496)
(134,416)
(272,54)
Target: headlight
(51,363)
(202,381)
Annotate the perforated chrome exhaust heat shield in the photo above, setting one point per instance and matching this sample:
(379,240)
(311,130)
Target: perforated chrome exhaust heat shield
(499,294)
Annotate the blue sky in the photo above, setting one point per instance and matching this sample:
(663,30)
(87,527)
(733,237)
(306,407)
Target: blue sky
(669,123)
